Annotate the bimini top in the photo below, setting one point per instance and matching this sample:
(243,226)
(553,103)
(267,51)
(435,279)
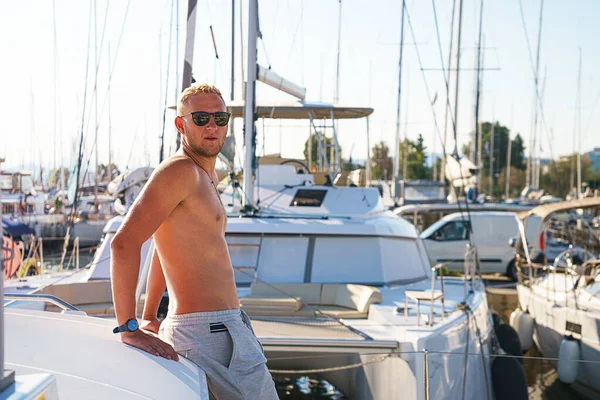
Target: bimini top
(454,207)
(546,209)
(300,110)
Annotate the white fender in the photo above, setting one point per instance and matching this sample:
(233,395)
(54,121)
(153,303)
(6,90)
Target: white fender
(522,322)
(568,357)
(514,316)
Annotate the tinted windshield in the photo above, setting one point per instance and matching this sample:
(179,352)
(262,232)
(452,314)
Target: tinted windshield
(429,231)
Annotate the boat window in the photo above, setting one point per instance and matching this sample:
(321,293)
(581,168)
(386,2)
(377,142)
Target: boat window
(452,231)
(366,260)
(243,251)
(283,259)
(308,198)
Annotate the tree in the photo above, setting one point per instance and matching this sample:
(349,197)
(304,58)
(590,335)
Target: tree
(499,156)
(383,166)
(517,153)
(315,148)
(557,178)
(416,166)
(516,183)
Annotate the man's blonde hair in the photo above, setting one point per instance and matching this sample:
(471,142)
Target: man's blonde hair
(201,88)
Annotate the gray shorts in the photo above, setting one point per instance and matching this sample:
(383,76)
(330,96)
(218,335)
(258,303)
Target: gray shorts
(223,344)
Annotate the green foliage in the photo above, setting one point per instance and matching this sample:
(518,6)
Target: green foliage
(383,167)
(518,162)
(315,149)
(559,175)
(416,166)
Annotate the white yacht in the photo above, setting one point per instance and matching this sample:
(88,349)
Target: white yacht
(336,284)
(559,289)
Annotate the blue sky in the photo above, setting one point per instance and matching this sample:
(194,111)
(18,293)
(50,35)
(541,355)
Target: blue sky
(300,38)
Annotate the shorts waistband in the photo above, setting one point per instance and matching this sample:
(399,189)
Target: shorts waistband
(205,315)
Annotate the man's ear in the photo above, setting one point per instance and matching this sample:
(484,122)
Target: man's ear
(179,125)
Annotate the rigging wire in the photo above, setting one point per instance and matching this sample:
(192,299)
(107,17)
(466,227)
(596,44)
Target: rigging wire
(538,104)
(81,137)
(123,24)
(162,136)
(437,128)
(439,43)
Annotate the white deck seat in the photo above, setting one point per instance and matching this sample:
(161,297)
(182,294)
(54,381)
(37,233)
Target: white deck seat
(307,299)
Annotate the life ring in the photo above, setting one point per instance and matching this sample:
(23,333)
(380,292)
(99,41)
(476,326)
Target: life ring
(11,254)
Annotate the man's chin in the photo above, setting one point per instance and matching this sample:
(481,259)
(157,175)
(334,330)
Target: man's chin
(204,152)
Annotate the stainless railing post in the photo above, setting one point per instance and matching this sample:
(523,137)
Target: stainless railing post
(426,368)
(465,278)
(433,273)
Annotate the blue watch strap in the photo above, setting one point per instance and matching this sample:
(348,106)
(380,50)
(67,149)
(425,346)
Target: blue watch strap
(125,327)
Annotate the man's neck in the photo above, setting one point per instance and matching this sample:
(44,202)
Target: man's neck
(206,163)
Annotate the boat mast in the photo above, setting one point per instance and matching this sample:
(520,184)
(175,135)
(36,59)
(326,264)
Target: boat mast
(109,122)
(249,107)
(460,9)
(337,69)
(189,51)
(474,153)
(530,163)
(508,155)
(96,107)
(578,127)
(538,161)
(232,93)
(396,185)
(55,95)
(443,163)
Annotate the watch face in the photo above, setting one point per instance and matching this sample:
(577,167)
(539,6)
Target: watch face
(132,325)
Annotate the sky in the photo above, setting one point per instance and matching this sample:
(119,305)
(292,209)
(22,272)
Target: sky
(47,73)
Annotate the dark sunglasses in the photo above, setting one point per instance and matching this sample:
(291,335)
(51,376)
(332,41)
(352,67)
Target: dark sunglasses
(202,118)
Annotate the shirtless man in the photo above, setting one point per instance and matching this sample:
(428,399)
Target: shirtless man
(181,207)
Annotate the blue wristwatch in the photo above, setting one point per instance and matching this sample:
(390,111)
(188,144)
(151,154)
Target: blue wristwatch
(130,326)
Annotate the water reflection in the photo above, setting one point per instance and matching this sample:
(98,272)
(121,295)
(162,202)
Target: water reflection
(305,388)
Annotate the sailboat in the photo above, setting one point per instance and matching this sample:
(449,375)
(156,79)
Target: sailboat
(559,303)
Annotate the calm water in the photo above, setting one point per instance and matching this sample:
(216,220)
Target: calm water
(306,387)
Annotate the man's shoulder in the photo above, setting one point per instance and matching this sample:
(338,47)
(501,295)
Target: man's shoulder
(175,171)
(177,165)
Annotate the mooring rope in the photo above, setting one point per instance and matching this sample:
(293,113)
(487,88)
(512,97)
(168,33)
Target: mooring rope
(331,369)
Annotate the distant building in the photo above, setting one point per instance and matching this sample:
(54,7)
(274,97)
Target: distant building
(594,156)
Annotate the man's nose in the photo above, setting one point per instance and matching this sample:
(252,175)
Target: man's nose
(211,122)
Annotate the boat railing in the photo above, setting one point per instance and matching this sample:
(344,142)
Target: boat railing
(66,307)
(439,271)
(425,295)
(471,268)
(247,268)
(576,272)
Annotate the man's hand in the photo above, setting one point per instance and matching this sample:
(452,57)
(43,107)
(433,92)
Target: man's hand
(150,344)
(150,325)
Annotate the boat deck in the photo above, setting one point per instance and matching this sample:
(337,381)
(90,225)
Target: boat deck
(294,327)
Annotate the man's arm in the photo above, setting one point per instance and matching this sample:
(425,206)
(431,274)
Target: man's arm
(170,184)
(155,287)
